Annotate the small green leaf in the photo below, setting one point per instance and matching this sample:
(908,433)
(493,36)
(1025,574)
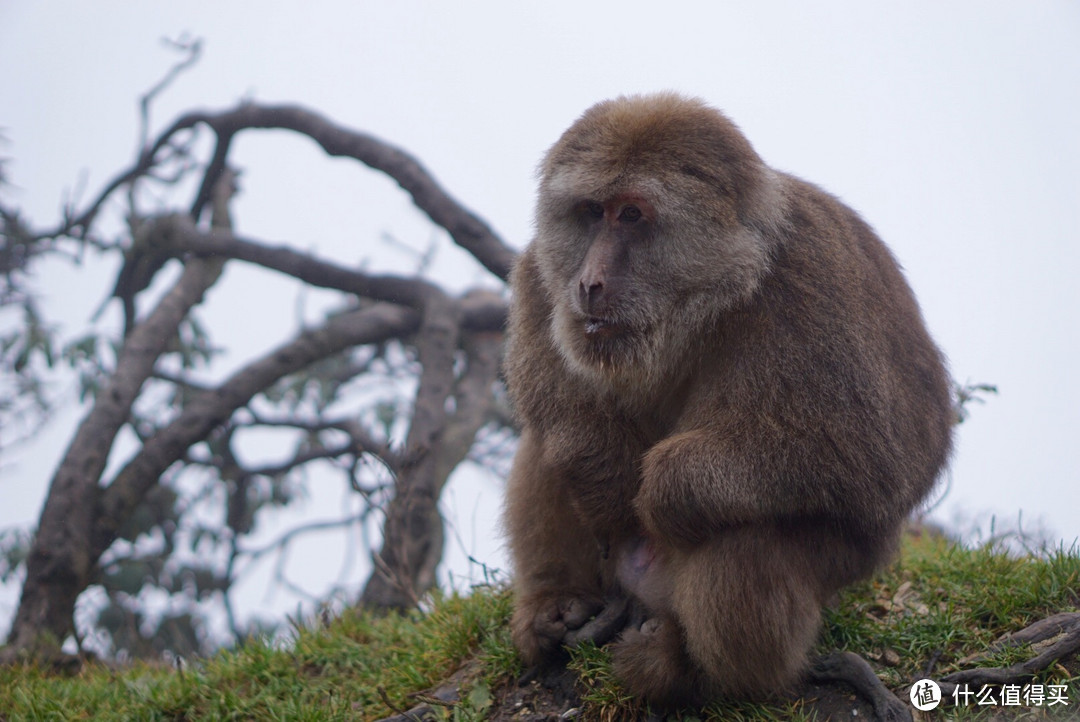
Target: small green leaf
(480,696)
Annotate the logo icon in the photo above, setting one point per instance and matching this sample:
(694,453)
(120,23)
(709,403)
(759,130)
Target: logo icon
(925,695)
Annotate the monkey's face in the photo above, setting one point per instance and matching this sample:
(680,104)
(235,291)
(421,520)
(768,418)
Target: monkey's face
(636,271)
(647,231)
(591,259)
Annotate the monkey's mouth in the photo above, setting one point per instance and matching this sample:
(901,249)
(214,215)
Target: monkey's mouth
(599,328)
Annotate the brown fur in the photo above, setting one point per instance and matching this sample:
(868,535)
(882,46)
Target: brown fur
(734,371)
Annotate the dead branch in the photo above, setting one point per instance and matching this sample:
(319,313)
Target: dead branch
(209,409)
(288,537)
(467,230)
(360,442)
(192,50)
(302,266)
(301,458)
(480,311)
(447,694)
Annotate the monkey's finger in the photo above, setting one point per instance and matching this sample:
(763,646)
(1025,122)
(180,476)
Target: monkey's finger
(602,628)
(558,616)
(576,611)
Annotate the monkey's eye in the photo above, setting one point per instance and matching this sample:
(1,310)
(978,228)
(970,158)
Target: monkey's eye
(630,214)
(594,210)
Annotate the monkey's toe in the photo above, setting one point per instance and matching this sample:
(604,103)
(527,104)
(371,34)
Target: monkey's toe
(652,626)
(652,663)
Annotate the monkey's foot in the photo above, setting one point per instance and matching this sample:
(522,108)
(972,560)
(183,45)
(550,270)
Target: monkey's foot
(651,662)
(851,668)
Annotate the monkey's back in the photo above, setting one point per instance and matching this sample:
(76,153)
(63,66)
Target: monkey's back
(833,348)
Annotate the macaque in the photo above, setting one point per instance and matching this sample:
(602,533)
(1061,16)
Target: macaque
(729,405)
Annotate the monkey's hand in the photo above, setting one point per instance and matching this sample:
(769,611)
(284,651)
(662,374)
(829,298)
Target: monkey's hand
(688,491)
(602,628)
(542,625)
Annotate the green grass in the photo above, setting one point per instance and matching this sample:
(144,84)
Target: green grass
(938,602)
(947,602)
(332,673)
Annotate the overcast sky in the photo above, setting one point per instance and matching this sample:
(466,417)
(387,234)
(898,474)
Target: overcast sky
(953,128)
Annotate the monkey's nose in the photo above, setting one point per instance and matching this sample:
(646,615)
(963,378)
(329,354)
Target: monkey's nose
(591,293)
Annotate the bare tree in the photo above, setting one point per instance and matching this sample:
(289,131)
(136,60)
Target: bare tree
(451,342)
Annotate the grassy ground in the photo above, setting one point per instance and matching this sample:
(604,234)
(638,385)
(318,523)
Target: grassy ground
(920,618)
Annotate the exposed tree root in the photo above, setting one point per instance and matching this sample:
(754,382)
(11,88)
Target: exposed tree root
(1052,639)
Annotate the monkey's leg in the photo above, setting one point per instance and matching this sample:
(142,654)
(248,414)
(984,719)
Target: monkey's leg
(744,612)
(558,580)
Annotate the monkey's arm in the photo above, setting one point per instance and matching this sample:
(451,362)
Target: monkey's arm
(558,575)
(697,482)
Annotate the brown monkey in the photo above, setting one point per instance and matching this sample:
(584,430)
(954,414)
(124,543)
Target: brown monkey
(729,403)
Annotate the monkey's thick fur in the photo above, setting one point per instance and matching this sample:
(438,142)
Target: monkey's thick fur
(729,400)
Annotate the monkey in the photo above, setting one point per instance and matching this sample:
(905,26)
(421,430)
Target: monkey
(729,405)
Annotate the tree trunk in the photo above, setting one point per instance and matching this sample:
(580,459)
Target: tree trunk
(62,558)
(413,533)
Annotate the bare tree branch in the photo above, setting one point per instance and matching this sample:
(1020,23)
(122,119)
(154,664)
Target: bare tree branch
(395,289)
(192,50)
(360,441)
(209,409)
(287,537)
(467,230)
(481,312)
(1051,639)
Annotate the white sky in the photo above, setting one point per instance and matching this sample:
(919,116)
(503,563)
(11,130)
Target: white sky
(954,128)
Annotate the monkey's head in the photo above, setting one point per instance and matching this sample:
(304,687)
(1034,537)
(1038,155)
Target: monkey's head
(653,219)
